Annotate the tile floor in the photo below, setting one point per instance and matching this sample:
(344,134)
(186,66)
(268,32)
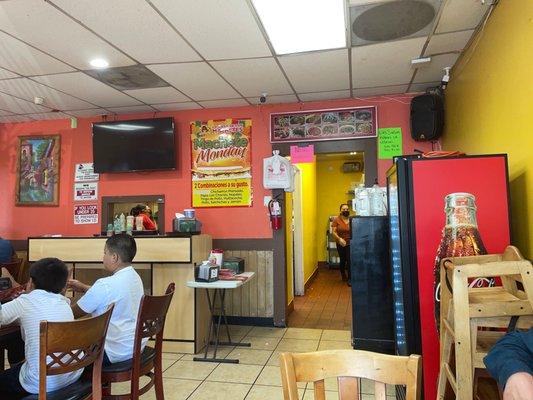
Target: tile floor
(326,304)
(257,376)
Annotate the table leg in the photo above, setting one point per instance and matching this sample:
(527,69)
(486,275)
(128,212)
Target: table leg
(223,315)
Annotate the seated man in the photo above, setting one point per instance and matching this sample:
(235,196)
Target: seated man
(124,289)
(43,301)
(510,362)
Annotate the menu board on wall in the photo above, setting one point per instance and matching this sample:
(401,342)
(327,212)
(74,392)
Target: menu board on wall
(345,123)
(221,163)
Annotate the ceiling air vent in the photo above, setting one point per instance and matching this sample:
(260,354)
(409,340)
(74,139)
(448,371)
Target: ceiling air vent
(392,20)
(125,78)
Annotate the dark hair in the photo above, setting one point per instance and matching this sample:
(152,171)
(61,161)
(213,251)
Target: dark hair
(123,245)
(343,204)
(135,211)
(49,274)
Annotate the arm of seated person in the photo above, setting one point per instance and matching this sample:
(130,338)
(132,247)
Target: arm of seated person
(77,286)
(96,297)
(519,387)
(77,311)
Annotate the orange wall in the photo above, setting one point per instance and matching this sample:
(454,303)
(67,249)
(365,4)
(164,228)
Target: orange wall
(76,147)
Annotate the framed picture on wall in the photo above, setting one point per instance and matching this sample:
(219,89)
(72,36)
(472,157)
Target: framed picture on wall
(37,179)
(335,124)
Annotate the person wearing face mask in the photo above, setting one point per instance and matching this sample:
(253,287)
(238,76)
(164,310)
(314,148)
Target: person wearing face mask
(341,233)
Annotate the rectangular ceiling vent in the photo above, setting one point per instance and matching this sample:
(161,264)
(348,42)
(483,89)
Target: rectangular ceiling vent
(126,78)
(392,20)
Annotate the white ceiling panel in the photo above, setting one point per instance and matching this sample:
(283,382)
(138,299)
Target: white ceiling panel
(134,27)
(81,85)
(4,74)
(288,98)
(43,26)
(14,118)
(435,70)
(197,80)
(255,76)
(28,89)
(459,15)
(317,72)
(446,42)
(18,106)
(218,29)
(421,87)
(157,95)
(376,91)
(223,103)
(49,115)
(25,60)
(385,64)
(360,2)
(88,113)
(189,105)
(337,94)
(131,109)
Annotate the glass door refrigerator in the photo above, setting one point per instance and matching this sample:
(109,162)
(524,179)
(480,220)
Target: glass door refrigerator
(416,189)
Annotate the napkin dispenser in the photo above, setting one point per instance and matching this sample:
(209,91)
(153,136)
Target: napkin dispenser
(206,272)
(183,224)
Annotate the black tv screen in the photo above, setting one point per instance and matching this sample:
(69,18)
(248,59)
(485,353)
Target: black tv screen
(136,145)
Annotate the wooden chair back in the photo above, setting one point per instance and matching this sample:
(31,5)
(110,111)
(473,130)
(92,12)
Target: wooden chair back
(13,267)
(348,366)
(69,346)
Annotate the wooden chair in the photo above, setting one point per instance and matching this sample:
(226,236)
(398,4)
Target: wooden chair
(70,346)
(150,322)
(13,267)
(347,366)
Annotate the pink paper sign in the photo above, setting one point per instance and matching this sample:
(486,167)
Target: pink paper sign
(303,154)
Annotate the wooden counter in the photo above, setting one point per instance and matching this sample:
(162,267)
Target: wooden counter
(159,261)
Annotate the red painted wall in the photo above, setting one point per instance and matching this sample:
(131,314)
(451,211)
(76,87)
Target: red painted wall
(76,147)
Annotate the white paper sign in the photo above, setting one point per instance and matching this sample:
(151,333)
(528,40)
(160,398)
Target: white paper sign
(86,191)
(85,172)
(86,214)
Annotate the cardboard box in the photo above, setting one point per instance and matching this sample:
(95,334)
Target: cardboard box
(236,264)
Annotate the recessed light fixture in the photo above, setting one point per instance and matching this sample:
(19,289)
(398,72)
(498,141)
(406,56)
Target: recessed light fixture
(303,25)
(99,63)
(353,153)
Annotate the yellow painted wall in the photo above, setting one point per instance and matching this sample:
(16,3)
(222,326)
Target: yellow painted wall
(331,187)
(309,210)
(489,105)
(288,246)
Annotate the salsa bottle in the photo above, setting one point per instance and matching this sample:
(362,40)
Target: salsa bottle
(460,236)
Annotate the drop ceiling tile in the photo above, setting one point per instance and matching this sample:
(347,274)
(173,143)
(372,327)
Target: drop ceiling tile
(288,98)
(131,109)
(459,15)
(360,2)
(82,85)
(317,72)
(27,89)
(446,42)
(4,74)
(254,76)
(25,60)
(88,113)
(421,87)
(14,118)
(220,29)
(157,95)
(40,24)
(49,115)
(3,113)
(19,106)
(189,105)
(337,94)
(435,70)
(385,64)
(138,30)
(377,91)
(197,80)
(224,103)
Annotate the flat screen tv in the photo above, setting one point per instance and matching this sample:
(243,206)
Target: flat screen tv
(136,145)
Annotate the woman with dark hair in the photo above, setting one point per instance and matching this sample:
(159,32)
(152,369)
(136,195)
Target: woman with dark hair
(144,211)
(341,232)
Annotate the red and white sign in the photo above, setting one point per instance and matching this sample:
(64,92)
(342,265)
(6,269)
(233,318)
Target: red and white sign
(86,191)
(86,214)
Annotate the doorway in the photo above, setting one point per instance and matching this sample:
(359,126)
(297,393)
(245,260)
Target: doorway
(318,298)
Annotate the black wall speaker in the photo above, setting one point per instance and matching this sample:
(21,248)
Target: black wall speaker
(427,117)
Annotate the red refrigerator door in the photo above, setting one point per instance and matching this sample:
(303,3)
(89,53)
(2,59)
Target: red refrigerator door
(486,178)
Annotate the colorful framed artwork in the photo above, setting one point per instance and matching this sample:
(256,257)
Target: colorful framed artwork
(312,125)
(37,179)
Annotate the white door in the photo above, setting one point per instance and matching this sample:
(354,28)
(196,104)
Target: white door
(298,248)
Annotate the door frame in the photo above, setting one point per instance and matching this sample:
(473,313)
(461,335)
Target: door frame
(369,147)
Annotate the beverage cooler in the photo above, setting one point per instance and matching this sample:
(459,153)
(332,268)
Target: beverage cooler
(439,207)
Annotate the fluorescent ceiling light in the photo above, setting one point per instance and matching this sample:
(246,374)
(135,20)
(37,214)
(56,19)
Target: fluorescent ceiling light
(295,26)
(99,63)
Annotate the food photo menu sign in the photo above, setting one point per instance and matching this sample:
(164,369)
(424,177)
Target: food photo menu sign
(338,124)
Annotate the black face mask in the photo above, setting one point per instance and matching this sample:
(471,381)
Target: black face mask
(345,213)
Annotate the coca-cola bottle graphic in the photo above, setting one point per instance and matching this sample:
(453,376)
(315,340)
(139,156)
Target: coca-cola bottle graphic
(460,237)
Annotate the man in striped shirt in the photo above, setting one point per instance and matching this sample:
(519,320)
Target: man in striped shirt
(43,301)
